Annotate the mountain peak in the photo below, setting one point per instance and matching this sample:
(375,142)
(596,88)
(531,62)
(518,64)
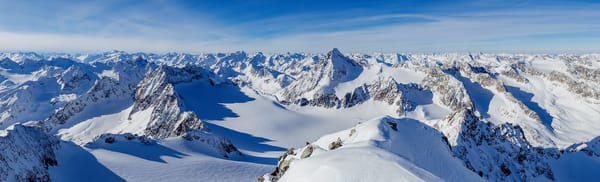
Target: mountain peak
(338,59)
(335,51)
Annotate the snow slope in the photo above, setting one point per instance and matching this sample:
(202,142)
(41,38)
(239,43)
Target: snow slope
(186,117)
(168,160)
(382,149)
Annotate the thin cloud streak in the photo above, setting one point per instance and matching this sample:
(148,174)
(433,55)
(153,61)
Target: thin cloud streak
(172,28)
(460,33)
(85,44)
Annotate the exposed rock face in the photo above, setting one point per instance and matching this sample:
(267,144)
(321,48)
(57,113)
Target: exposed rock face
(339,67)
(403,96)
(26,153)
(42,86)
(451,92)
(583,79)
(335,144)
(22,101)
(110,138)
(585,89)
(591,148)
(75,78)
(220,144)
(500,152)
(393,136)
(282,165)
(318,83)
(514,72)
(105,89)
(308,151)
(493,152)
(500,146)
(157,92)
(386,90)
(329,100)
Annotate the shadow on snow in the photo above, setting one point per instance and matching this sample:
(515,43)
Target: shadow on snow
(245,141)
(77,164)
(480,97)
(151,152)
(208,101)
(526,98)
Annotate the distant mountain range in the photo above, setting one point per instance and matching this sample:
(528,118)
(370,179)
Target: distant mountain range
(239,116)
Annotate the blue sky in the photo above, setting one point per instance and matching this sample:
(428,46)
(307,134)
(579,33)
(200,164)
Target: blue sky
(300,26)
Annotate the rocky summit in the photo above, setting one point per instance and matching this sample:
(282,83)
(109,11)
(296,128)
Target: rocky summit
(336,116)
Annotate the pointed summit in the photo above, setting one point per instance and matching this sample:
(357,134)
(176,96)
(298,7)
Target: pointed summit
(341,68)
(9,64)
(335,51)
(334,54)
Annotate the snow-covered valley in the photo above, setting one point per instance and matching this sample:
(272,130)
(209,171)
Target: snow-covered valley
(241,116)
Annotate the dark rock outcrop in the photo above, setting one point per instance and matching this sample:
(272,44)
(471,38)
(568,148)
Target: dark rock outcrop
(26,153)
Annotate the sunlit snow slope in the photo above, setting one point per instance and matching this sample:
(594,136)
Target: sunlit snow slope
(241,116)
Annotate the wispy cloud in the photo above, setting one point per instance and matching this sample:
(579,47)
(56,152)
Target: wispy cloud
(513,30)
(89,44)
(164,26)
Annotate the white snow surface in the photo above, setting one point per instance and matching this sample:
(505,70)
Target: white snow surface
(373,150)
(554,98)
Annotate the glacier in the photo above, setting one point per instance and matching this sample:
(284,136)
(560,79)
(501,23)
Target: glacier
(119,116)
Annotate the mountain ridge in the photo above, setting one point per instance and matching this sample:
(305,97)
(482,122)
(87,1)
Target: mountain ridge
(530,112)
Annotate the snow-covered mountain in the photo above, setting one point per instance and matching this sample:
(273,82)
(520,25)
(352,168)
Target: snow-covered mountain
(26,154)
(230,116)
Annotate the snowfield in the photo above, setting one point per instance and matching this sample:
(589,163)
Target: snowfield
(243,116)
